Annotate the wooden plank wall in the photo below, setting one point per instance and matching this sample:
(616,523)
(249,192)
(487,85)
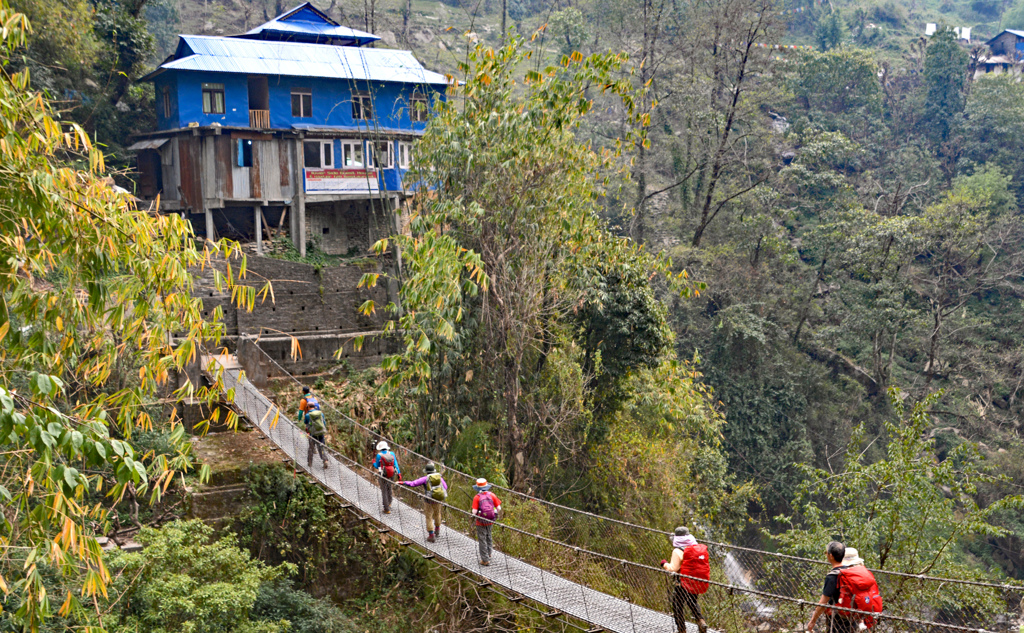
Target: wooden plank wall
(223,156)
(172,176)
(270,170)
(190,160)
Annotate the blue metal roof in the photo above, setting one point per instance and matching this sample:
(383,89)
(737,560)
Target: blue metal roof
(1015,32)
(308,24)
(295,59)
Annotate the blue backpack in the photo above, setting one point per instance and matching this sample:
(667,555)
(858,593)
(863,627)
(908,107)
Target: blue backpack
(311,402)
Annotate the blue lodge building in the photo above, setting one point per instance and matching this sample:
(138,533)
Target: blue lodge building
(296,120)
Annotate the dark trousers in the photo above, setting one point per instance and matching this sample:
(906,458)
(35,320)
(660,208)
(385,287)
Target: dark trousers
(316,442)
(385,492)
(681,600)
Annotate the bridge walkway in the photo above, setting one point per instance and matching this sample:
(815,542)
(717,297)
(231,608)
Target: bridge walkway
(353,483)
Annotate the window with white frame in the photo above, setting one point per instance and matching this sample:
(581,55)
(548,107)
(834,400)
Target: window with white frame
(362,106)
(302,102)
(318,154)
(379,154)
(404,155)
(352,154)
(418,107)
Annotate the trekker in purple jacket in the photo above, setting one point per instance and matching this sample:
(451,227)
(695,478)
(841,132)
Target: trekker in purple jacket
(436,491)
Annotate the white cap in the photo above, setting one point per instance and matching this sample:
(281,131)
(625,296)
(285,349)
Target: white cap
(382,445)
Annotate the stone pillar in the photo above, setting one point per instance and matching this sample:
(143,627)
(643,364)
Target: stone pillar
(211,230)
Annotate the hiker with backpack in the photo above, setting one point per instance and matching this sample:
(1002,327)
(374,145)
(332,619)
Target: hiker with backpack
(312,418)
(486,507)
(307,403)
(317,431)
(689,560)
(850,585)
(436,494)
(386,465)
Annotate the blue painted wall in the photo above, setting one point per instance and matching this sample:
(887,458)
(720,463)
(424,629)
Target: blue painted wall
(190,99)
(332,103)
(331,99)
(166,80)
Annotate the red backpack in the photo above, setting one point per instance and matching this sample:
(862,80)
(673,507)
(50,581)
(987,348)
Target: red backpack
(858,590)
(387,464)
(695,563)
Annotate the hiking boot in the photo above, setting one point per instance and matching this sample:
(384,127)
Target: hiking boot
(702,626)
(325,464)
(430,538)
(386,511)
(438,531)
(485,563)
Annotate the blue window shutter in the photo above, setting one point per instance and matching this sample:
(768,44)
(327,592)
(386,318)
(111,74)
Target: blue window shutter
(240,154)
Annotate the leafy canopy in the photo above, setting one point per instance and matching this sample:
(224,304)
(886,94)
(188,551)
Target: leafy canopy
(92,293)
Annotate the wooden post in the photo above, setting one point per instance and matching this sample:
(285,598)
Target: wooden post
(298,220)
(257,223)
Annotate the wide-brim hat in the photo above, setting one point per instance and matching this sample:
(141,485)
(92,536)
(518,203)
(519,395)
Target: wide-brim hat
(430,468)
(852,557)
(481,485)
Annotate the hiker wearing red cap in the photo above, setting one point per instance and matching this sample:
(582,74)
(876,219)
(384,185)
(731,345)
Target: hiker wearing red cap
(486,507)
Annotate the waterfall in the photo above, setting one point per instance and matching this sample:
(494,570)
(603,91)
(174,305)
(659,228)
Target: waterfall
(740,577)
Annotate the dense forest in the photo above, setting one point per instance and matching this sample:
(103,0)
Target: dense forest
(752,266)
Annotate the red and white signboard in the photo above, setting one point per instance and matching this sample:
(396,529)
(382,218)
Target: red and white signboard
(341,181)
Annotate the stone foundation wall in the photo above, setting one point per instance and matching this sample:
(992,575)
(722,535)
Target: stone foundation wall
(304,299)
(345,228)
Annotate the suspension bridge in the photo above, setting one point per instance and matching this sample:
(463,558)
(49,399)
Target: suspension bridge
(593,572)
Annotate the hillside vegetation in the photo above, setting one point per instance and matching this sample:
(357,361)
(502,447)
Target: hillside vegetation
(719,262)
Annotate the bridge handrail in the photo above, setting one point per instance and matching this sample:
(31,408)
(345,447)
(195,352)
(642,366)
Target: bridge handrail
(634,526)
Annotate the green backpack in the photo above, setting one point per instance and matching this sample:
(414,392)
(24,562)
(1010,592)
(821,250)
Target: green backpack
(315,422)
(437,491)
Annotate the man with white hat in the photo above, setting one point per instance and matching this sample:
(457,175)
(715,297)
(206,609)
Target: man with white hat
(486,507)
(386,465)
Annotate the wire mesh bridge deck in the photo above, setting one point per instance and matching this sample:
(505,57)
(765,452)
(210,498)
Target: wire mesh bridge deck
(616,583)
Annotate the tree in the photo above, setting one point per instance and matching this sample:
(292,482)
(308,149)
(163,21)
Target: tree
(993,125)
(904,512)
(514,213)
(91,292)
(945,83)
(570,24)
(185,581)
(830,31)
(717,90)
(969,245)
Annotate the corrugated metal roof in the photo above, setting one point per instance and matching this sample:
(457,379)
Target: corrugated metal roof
(307,21)
(260,57)
(1015,32)
(150,143)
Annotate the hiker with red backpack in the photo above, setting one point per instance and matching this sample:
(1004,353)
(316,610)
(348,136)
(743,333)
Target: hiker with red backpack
(849,585)
(436,494)
(486,506)
(689,560)
(386,465)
